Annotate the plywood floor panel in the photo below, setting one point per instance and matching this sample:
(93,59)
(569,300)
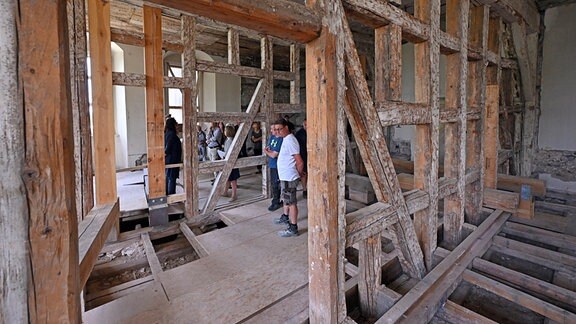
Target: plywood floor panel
(249,268)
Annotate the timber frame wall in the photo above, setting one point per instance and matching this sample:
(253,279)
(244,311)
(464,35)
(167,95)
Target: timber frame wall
(471,43)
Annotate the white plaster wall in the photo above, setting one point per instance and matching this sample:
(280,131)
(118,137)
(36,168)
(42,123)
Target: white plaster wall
(119,99)
(408,94)
(558,104)
(135,105)
(557,129)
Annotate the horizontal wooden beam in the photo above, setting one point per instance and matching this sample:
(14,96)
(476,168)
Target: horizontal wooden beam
(512,11)
(541,235)
(518,297)
(498,199)
(421,303)
(527,282)
(92,234)
(515,183)
(394,113)
(280,18)
(191,237)
(381,13)
(137,39)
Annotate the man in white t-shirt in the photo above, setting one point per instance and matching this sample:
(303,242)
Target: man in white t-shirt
(290,169)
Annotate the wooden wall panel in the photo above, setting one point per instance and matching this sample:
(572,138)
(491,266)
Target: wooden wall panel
(491,125)
(53,295)
(476,91)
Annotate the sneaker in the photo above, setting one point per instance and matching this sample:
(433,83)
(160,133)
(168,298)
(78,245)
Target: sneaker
(305,194)
(274,207)
(291,231)
(282,220)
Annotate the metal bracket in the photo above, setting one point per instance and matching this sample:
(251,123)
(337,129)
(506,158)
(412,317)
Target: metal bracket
(158,211)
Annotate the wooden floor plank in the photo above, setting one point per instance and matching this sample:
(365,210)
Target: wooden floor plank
(152,257)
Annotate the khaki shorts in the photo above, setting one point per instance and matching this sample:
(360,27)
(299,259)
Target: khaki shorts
(289,191)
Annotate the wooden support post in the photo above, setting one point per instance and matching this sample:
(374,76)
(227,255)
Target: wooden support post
(476,90)
(102,104)
(295,68)
(388,54)
(491,113)
(325,78)
(527,69)
(190,116)
(155,115)
(267,56)
(13,209)
(233,47)
(455,139)
(53,284)
(80,108)
(427,58)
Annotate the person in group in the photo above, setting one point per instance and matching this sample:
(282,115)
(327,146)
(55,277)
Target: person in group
(243,151)
(290,169)
(214,143)
(201,143)
(272,150)
(290,124)
(230,132)
(301,136)
(256,139)
(172,154)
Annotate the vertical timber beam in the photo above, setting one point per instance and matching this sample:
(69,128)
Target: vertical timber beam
(155,115)
(267,57)
(53,295)
(427,55)
(295,68)
(524,45)
(190,116)
(102,104)
(493,74)
(388,71)
(233,47)
(455,139)
(13,208)
(476,91)
(80,107)
(326,239)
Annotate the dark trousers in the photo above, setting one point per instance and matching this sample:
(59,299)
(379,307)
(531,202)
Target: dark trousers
(171,176)
(275,186)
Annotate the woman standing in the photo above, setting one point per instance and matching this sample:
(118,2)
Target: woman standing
(172,154)
(230,132)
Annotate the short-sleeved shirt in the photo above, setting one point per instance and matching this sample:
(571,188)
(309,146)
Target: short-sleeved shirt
(286,162)
(274,143)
